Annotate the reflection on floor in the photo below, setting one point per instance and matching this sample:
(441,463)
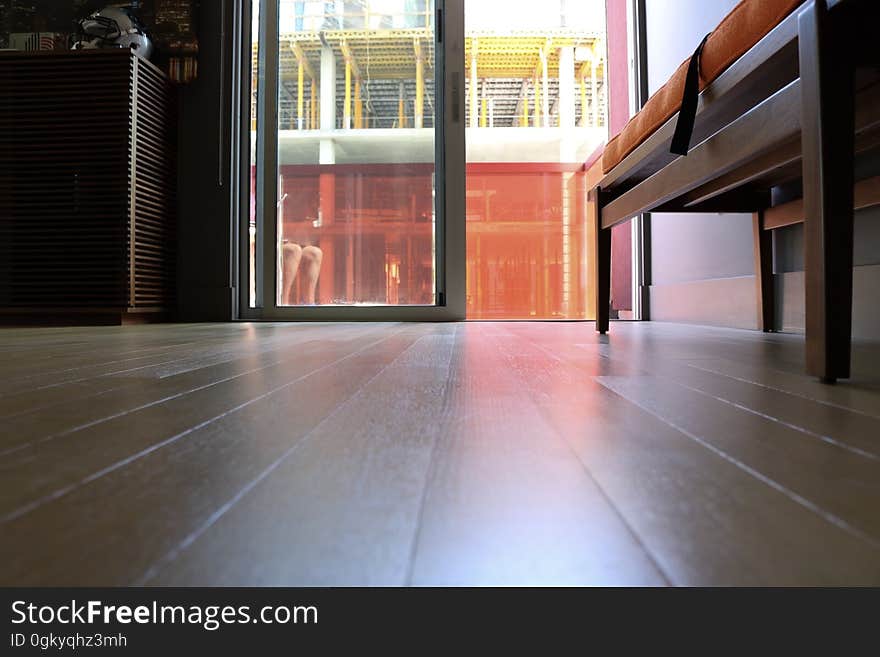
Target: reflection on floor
(343,454)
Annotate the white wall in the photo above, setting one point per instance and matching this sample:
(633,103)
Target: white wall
(702,265)
(691,247)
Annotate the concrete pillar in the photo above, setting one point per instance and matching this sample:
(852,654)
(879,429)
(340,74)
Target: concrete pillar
(328,89)
(327,153)
(565,104)
(327,115)
(420,91)
(566,88)
(300,96)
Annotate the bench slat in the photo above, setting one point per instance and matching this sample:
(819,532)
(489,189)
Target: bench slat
(867,195)
(784,163)
(771,123)
(764,69)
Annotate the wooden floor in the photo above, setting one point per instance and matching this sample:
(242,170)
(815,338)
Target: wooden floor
(441,454)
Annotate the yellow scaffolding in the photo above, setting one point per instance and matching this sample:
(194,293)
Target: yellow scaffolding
(408,54)
(389,54)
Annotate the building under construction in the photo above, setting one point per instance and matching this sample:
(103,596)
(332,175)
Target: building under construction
(356,153)
(383,67)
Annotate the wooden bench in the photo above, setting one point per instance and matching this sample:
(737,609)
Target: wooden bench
(791,108)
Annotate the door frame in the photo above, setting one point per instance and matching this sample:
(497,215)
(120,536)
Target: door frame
(641,224)
(450,179)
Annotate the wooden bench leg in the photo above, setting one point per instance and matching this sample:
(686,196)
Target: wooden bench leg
(827,79)
(764,286)
(602,270)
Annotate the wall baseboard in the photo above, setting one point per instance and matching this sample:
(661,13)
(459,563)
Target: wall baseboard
(866,311)
(717,302)
(731,302)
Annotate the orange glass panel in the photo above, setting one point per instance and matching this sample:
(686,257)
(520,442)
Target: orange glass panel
(526,242)
(527,247)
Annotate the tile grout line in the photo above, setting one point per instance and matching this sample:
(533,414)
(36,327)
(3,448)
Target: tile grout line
(142,407)
(652,558)
(825,515)
(125,383)
(785,392)
(162,351)
(432,467)
(814,434)
(795,497)
(61,492)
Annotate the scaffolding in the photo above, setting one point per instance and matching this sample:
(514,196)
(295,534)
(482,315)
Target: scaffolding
(384,77)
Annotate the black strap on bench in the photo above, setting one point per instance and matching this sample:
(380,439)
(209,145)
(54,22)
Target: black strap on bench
(684,128)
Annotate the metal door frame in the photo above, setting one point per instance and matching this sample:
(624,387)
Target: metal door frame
(449,179)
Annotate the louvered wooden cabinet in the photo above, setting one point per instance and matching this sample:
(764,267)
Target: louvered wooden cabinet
(87,187)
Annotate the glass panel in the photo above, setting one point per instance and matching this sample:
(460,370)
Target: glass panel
(536,99)
(356,219)
(526,241)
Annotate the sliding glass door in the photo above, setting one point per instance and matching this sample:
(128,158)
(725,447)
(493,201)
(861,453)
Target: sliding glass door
(356,191)
(536,113)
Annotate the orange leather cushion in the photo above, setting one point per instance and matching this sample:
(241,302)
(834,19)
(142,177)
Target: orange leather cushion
(742,28)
